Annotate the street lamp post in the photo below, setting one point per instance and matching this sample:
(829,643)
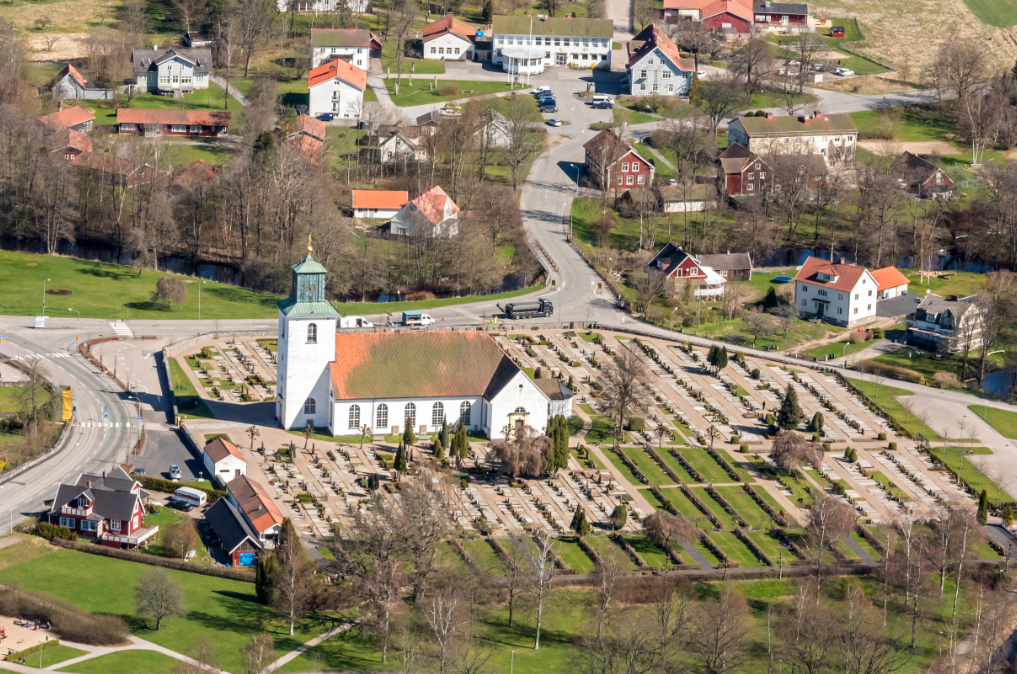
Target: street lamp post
(79,317)
(44,296)
(199,300)
(672,318)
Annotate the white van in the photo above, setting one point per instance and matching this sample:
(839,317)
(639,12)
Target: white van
(195,497)
(354,322)
(602,98)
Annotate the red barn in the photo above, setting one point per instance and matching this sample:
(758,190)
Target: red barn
(105,507)
(612,161)
(727,16)
(173,122)
(744,172)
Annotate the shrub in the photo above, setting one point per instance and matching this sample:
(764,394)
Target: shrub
(756,373)
(893,445)
(946,380)
(892,371)
(448,89)
(857,337)
(48,531)
(826,446)
(740,357)
(69,622)
(168,487)
(881,436)
(735,439)
(744,447)
(420,295)
(637,424)
(878,333)
(815,437)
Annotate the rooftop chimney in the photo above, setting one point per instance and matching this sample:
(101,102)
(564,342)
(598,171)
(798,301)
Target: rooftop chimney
(769,115)
(104,475)
(804,119)
(89,484)
(817,113)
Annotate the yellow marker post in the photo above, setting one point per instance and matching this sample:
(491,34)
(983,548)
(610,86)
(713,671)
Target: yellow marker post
(67,407)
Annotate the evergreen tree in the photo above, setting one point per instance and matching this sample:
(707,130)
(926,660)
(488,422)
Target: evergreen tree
(558,431)
(711,355)
(770,301)
(373,482)
(444,436)
(536,373)
(460,446)
(721,359)
(790,413)
(488,10)
(579,524)
(570,385)
(400,459)
(816,425)
(983,507)
(619,516)
(439,450)
(263,575)
(408,437)
(695,96)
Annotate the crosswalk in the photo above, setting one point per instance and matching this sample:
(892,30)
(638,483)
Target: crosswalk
(100,424)
(58,355)
(121,329)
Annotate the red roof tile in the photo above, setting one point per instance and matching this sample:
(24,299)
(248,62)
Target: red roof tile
(73,72)
(338,68)
(189,176)
(449,25)
(71,116)
(312,125)
(666,45)
(380,199)
(889,277)
(186,117)
(308,145)
(847,275)
(220,448)
(255,502)
(733,7)
(69,138)
(432,204)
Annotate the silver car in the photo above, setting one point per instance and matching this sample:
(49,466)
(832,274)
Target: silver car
(174,472)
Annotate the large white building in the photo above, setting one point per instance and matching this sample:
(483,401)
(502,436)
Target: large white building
(356,46)
(583,43)
(449,40)
(655,65)
(389,380)
(843,294)
(323,6)
(336,87)
(171,71)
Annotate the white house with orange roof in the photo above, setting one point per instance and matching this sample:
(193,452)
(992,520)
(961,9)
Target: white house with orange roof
(655,66)
(256,507)
(433,210)
(223,460)
(449,39)
(356,46)
(890,283)
(842,294)
(336,87)
(378,203)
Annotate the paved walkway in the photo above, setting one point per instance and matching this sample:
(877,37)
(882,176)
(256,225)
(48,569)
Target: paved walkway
(221,81)
(300,650)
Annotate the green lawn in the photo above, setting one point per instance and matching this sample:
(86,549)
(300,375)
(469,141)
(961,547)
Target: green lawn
(53,655)
(746,507)
(959,458)
(887,399)
(865,545)
(223,610)
(735,332)
(673,464)
(416,66)
(837,349)
(417,92)
(593,458)
(711,503)
(483,555)
(761,282)
(735,549)
(699,459)
(770,500)
(651,553)
(394,308)
(203,99)
(10,397)
(602,431)
(622,468)
(166,517)
(189,403)
(149,662)
(1003,421)
(960,283)
(923,124)
(575,556)
(683,505)
(650,469)
(985,551)
(998,13)
(602,543)
(859,64)
(928,364)
(771,545)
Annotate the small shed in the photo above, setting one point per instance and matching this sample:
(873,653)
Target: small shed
(223,460)
(837,31)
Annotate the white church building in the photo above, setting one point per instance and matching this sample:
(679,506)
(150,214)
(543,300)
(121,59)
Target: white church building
(388,380)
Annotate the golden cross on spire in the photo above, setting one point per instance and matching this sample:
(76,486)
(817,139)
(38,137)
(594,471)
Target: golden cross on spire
(309,248)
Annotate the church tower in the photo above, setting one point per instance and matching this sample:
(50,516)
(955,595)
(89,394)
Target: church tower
(307,327)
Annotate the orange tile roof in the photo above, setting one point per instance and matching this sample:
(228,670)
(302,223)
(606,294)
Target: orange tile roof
(221,448)
(308,145)
(71,116)
(189,176)
(186,117)
(731,7)
(380,199)
(432,204)
(255,502)
(69,138)
(73,72)
(449,25)
(338,68)
(889,277)
(847,274)
(312,125)
(666,45)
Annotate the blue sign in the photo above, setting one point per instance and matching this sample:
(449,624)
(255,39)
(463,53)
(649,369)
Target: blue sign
(105,414)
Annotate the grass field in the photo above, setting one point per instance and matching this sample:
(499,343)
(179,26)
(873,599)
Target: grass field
(735,549)
(673,464)
(705,464)
(189,403)
(746,507)
(725,519)
(772,547)
(865,545)
(417,92)
(150,662)
(416,66)
(927,364)
(224,610)
(706,553)
(648,466)
(682,503)
(960,459)
(622,468)
(484,556)
(52,656)
(651,553)
(602,544)
(1003,421)
(575,556)
(837,349)
(887,399)
(998,13)
(985,551)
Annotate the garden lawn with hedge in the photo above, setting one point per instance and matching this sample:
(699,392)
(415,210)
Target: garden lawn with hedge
(959,459)
(575,556)
(741,501)
(602,544)
(647,465)
(714,506)
(189,403)
(700,459)
(417,92)
(735,549)
(53,655)
(683,505)
(651,553)
(1004,422)
(887,399)
(673,464)
(865,545)
(483,555)
(772,546)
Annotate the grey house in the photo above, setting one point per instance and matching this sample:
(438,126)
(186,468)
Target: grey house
(948,325)
(171,71)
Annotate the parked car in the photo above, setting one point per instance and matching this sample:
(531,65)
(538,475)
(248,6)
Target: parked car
(602,105)
(843,72)
(700,73)
(540,90)
(672,182)
(182,506)
(138,471)
(548,107)
(545,96)
(554,122)
(174,472)
(326,116)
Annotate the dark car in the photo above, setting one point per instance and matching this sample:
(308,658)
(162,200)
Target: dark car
(326,116)
(545,95)
(548,107)
(182,506)
(602,105)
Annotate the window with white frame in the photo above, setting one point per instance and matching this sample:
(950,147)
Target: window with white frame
(464,413)
(750,187)
(410,414)
(382,416)
(840,310)
(127,127)
(628,181)
(68,522)
(666,75)
(309,406)
(642,73)
(354,416)
(195,128)
(625,167)
(434,50)
(437,414)
(312,333)
(178,128)
(856,310)
(87,525)
(752,176)
(520,410)
(640,180)
(114,525)
(654,88)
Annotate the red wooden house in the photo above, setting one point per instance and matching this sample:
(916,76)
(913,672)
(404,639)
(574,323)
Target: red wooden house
(69,143)
(105,507)
(744,172)
(173,122)
(727,16)
(612,161)
(681,268)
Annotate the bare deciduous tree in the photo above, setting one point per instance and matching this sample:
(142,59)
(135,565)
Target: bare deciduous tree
(720,637)
(625,386)
(830,519)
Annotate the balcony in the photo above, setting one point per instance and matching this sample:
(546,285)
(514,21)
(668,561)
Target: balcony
(78,512)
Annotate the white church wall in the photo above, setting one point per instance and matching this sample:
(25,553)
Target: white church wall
(396,413)
(519,392)
(303,370)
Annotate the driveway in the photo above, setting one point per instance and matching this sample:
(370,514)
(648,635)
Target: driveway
(896,307)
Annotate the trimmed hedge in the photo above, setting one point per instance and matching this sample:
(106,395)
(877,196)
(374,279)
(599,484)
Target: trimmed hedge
(50,531)
(761,502)
(725,561)
(892,371)
(726,506)
(756,550)
(728,468)
(687,466)
(701,507)
(663,466)
(169,486)
(31,650)
(152,560)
